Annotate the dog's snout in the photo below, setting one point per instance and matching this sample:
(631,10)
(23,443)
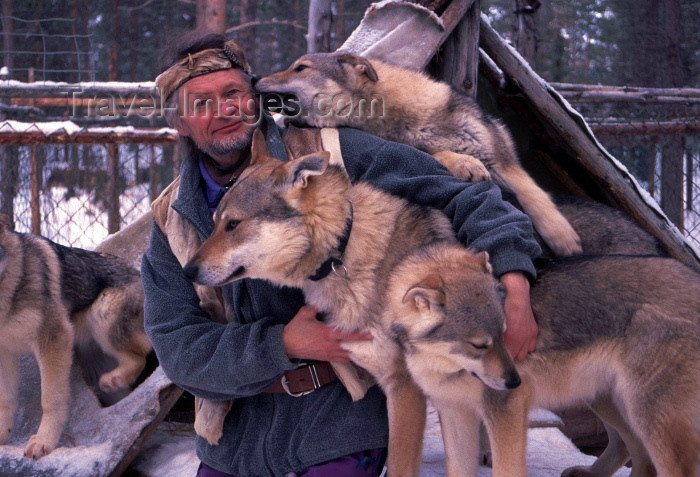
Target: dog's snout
(513,380)
(191,271)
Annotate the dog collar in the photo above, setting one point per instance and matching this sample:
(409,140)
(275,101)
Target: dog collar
(335,260)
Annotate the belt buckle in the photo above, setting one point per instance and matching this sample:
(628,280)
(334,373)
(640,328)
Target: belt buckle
(314,380)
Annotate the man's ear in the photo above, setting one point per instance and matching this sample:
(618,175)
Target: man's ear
(258,150)
(181,130)
(299,170)
(426,294)
(362,65)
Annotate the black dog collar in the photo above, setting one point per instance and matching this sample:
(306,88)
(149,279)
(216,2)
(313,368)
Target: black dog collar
(335,260)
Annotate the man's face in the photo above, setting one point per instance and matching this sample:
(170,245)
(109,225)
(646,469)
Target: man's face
(218,112)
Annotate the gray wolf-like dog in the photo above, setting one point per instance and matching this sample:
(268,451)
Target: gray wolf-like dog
(53,297)
(282,221)
(336,89)
(608,324)
(619,333)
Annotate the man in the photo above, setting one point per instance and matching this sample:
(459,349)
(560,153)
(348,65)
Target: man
(268,329)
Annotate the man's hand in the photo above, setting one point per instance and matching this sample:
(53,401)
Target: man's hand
(304,337)
(521,327)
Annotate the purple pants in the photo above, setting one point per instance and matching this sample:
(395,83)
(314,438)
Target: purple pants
(360,464)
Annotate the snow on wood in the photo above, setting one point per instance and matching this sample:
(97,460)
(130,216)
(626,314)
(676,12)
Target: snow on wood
(96,440)
(58,132)
(43,89)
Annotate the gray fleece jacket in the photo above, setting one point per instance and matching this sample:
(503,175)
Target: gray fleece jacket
(272,434)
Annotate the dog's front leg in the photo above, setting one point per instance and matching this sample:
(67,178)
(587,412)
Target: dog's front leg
(406,408)
(460,435)
(209,418)
(9,367)
(54,356)
(506,420)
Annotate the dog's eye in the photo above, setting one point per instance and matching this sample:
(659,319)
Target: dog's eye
(480,345)
(231,224)
(300,68)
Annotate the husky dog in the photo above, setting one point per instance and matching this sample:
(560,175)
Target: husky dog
(283,221)
(51,298)
(621,334)
(340,89)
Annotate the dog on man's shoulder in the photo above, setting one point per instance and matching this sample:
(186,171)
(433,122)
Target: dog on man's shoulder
(53,298)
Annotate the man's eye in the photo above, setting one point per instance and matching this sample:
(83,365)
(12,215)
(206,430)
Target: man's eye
(231,224)
(300,68)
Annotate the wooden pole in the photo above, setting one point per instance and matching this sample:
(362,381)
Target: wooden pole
(153,175)
(34,201)
(211,15)
(113,218)
(689,177)
(34,186)
(460,59)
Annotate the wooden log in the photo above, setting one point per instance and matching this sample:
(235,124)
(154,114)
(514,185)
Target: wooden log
(582,88)
(460,59)
(571,135)
(166,399)
(50,89)
(113,215)
(664,128)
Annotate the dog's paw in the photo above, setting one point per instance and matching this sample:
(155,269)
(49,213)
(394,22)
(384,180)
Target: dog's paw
(209,419)
(39,446)
(564,241)
(463,166)
(211,433)
(113,381)
(578,471)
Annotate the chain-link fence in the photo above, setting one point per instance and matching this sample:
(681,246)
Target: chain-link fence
(76,194)
(655,133)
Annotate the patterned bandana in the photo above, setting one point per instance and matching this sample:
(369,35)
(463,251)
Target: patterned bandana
(201,63)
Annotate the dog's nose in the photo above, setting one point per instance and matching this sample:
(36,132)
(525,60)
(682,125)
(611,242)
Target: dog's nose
(513,380)
(191,271)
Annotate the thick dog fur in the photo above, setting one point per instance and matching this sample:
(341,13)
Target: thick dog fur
(436,316)
(281,221)
(619,333)
(335,89)
(52,298)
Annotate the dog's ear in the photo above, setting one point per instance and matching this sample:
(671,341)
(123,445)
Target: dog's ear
(361,65)
(427,294)
(258,150)
(299,170)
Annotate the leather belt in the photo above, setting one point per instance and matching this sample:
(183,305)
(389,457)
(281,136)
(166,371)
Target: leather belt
(305,379)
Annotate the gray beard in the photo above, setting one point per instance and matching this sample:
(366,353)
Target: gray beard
(229,145)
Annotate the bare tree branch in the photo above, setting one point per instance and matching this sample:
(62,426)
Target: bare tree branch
(268,22)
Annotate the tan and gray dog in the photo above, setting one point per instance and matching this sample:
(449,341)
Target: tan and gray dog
(619,333)
(52,298)
(282,221)
(402,105)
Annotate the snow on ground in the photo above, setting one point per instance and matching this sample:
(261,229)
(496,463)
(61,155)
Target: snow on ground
(170,452)
(95,438)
